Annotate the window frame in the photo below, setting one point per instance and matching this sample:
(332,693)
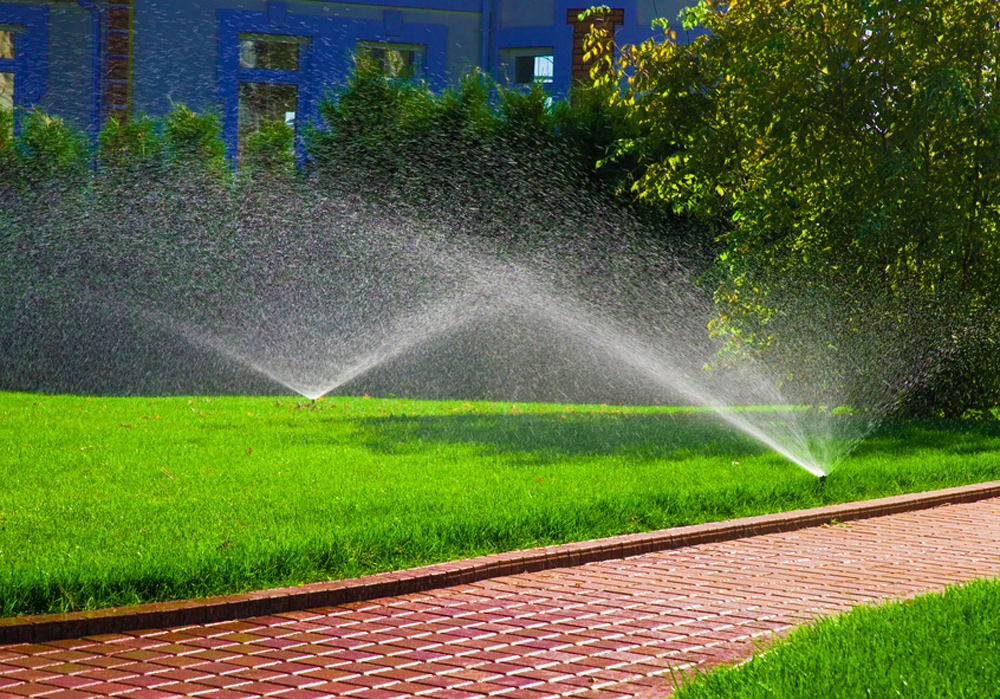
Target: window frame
(274,76)
(294,124)
(508,65)
(277,39)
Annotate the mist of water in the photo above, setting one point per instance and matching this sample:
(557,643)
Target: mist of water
(321,295)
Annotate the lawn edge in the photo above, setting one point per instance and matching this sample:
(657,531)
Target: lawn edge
(52,627)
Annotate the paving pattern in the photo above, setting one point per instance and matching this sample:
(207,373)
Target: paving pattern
(599,631)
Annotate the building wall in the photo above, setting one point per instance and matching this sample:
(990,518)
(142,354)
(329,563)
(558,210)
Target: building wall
(70,74)
(187,50)
(173,55)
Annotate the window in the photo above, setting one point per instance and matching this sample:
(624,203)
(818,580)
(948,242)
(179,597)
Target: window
(7,76)
(260,102)
(533,66)
(533,69)
(6,44)
(393,60)
(268,86)
(290,44)
(269,52)
(24,55)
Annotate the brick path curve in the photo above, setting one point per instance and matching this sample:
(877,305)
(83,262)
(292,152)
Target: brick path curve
(600,630)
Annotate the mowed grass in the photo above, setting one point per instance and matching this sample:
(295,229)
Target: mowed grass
(936,645)
(112,501)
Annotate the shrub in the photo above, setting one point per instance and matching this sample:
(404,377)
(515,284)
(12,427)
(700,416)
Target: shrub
(270,149)
(48,150)
(194,141)
(129,144)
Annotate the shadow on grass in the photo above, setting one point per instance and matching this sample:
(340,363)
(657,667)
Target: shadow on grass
(946,437)
(557,436)
(675,436)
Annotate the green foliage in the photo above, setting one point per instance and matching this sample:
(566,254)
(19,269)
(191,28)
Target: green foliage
(129,144)
(43,186)
(194,140)
(6,130)
(854,149)
(8,151)
(909,648)
(587,126)
(364,128)
(525,118)
(49,151)
(270,149)
(501,161)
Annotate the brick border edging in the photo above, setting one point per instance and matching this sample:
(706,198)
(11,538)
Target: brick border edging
(51,627)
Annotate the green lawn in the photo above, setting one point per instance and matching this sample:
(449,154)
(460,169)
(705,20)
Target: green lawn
(110,501)
(931,647)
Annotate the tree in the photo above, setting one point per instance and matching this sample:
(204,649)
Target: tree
(854,146)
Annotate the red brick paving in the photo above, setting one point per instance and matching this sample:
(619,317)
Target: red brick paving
(599,631)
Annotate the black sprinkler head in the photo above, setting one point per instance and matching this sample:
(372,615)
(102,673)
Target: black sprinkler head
(822,478)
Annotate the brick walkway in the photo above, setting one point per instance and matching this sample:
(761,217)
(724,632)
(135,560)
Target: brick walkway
(600,630)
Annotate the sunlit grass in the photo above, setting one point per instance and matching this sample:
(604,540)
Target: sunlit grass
(110,501)
(937,645)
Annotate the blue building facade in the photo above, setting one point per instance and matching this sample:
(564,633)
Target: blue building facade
(85,60)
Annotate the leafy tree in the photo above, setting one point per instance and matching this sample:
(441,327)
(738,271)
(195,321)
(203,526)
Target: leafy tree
(854,149)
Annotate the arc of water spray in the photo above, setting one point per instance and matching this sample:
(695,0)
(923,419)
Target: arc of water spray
(618,344)
(417,328)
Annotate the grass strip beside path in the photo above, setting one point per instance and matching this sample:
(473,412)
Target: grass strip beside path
(935,645)
(116,501)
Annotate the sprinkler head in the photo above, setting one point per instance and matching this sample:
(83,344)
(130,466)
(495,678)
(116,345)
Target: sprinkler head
(822,479)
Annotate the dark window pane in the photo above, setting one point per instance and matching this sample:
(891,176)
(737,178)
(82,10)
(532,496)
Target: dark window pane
(269,54)
(531,69)
(524,69)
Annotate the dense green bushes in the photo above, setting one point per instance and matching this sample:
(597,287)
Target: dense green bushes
(375,134)
(480,159)
(504,161)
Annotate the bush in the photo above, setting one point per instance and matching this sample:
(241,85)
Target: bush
(47,151)
(492,160)
(194,141)
(130,144)
(270,149)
